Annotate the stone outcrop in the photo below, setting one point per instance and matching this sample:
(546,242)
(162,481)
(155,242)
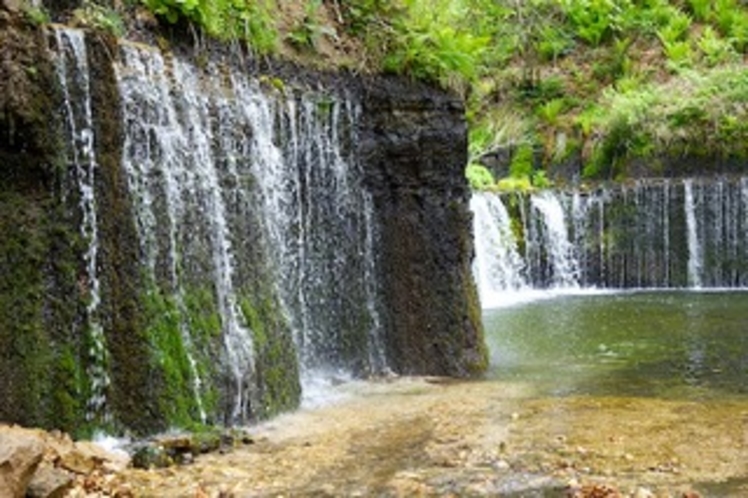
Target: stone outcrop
(414,153)
(37,464)
(21,451)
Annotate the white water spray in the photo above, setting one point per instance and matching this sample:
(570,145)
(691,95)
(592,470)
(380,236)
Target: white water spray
(695,257)
(498,266)
(560,252)
(73,75)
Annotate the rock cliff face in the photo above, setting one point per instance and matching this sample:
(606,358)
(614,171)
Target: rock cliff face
(132,331)
(413,149)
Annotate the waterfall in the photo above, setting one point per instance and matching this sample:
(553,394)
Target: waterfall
(646,234)
(694,243)
(498,267)
(227,178)
(552,241)
(236,236)
(319,223)
(73,75)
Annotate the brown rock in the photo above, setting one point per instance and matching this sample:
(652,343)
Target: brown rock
(21,450)
(83,457)
(12,5)
(49,482)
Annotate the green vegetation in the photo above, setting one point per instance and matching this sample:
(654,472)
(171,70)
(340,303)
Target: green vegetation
(548,83)
(248,20)
(92,15)
(602,83)
(168,321)
(277,367)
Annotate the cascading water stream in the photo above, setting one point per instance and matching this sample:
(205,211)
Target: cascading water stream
(553,236)
(173,178)
(320,224)
(73,75)
(648,234)
(206,153)
(694,245)
(498,267)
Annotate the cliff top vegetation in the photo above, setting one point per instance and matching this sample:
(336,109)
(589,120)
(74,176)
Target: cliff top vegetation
(554,88)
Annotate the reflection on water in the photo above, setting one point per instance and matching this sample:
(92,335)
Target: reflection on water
(673,345)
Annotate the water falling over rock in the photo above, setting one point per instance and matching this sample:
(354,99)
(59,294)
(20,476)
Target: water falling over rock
(73,75)
(204,234)
(651,233)
(498,267)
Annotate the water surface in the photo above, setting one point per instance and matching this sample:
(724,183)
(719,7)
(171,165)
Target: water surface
(671,345)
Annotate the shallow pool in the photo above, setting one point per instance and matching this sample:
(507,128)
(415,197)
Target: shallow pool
(671,345)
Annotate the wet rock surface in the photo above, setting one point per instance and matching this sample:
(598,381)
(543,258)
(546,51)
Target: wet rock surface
(430,437)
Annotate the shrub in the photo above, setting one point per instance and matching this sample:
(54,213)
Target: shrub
(479,177)
(428,44)
(523,161)
(248,20)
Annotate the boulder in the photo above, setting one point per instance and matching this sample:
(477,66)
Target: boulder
(21,451)
(49,482)
(12,5)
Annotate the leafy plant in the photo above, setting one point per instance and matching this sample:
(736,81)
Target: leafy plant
(715,50)
(553,42)
(676,30)
(36,15)
(541,90)
(523,161)
(479,177)
(702,9)
(679,54)
(428,46)
(251,21)
(593,19)
(307,31)
(550,111)
(93,15)
(540,180)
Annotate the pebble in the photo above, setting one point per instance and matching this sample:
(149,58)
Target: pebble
(643,493)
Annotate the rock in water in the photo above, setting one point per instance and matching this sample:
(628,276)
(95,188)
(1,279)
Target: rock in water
(21,450)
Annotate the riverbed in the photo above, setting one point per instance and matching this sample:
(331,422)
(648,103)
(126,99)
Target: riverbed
(640,393)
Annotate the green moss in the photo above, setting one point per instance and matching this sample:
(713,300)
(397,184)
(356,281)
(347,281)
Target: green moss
(276,363)
(167,325)
(68,379)
(479,177)
(37,348)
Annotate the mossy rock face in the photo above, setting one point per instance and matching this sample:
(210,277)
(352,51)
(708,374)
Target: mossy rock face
(276,365)
(41,377)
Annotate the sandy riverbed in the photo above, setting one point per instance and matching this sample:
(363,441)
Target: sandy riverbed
(432,437)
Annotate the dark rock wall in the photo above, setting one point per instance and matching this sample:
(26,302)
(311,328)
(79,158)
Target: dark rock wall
(414,152)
